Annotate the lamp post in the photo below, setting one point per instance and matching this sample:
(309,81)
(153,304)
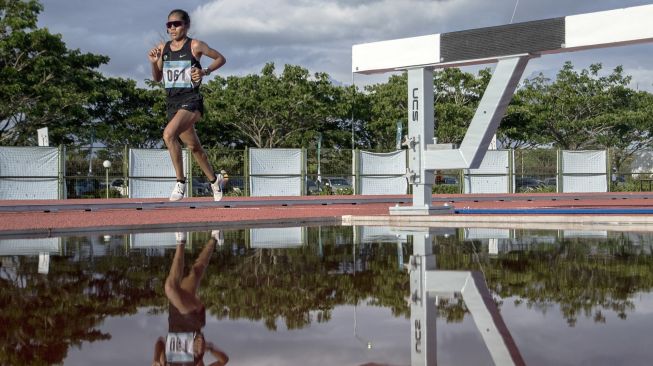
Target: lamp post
(319,148)
(366,343)
(107,165)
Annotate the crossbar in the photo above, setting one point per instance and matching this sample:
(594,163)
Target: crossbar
(486,45)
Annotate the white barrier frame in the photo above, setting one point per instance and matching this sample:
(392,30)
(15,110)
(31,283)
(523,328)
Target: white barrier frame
(419,56)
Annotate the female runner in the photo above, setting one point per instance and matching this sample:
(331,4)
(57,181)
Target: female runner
(177,63)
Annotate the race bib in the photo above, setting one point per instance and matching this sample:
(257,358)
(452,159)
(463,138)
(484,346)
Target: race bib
(179,347)
(176,74)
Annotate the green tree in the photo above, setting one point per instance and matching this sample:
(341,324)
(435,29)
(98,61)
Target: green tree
(632,129)
(388,105)
(269,110)
(125,115)
(580,110)
(44,83)
(456,96)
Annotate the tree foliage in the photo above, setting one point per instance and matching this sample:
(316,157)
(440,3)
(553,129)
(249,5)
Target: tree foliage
(580,110)
(45,84)
(456,96)
(270,110)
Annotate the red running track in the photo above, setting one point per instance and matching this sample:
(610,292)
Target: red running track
(17,219)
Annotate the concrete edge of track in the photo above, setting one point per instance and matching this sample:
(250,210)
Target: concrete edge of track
(554,222)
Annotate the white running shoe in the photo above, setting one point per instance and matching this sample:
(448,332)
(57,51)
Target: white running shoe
(218,236)
(178,191)
(218,186)
(181,237)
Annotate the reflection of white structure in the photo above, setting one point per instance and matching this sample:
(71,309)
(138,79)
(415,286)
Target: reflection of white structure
(495,237)
(377,234)
(278,237)
(589,234)
(30,246)
(426,284)
(472,233)
(44,263)
(153,240)
(41,247)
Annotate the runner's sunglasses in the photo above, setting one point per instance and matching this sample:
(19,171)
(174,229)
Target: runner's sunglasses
(174,23)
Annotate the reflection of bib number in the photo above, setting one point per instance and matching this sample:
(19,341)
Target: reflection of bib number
(176,74)
(179,347)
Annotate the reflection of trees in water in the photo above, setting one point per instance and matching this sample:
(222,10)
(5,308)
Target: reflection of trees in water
(299,287)
(43,315)
(581,276)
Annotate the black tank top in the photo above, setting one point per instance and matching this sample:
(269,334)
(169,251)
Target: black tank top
(191,322)
(176,70)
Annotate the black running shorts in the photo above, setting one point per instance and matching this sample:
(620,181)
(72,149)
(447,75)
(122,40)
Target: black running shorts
(190,103)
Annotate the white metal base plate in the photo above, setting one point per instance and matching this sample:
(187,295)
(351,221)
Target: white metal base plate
(420,210)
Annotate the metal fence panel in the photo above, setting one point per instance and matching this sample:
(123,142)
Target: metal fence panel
(584,171)
(29,173)
(492,176)
(382,173)
(151,173)
(275,172)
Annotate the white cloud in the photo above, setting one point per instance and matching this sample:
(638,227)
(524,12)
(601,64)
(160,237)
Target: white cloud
(315,34)
(308,21)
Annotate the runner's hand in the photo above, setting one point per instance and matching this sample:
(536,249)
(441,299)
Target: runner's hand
(154,55)
(196,74)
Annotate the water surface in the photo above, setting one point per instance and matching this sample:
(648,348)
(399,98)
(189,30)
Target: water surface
(330,295)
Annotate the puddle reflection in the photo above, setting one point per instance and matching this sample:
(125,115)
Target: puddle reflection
(185,343)
(328,295)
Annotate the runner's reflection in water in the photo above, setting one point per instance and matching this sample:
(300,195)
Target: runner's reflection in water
(185,343)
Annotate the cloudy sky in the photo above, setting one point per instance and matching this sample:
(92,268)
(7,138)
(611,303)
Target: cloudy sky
(316,34)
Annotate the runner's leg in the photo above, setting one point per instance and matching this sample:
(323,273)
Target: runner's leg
(191,283)
(183,300)
(182,121)
(192,141)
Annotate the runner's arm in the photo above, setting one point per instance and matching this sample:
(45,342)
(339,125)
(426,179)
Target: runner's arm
(157,62)
(221,357)
(200,49)
(159,351)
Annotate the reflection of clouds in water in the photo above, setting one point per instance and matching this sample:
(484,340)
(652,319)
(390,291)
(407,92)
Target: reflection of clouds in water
(461,344)
(643,303)
(330,343)
(541,338)
(131,343)
(250,343)
(546,338)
